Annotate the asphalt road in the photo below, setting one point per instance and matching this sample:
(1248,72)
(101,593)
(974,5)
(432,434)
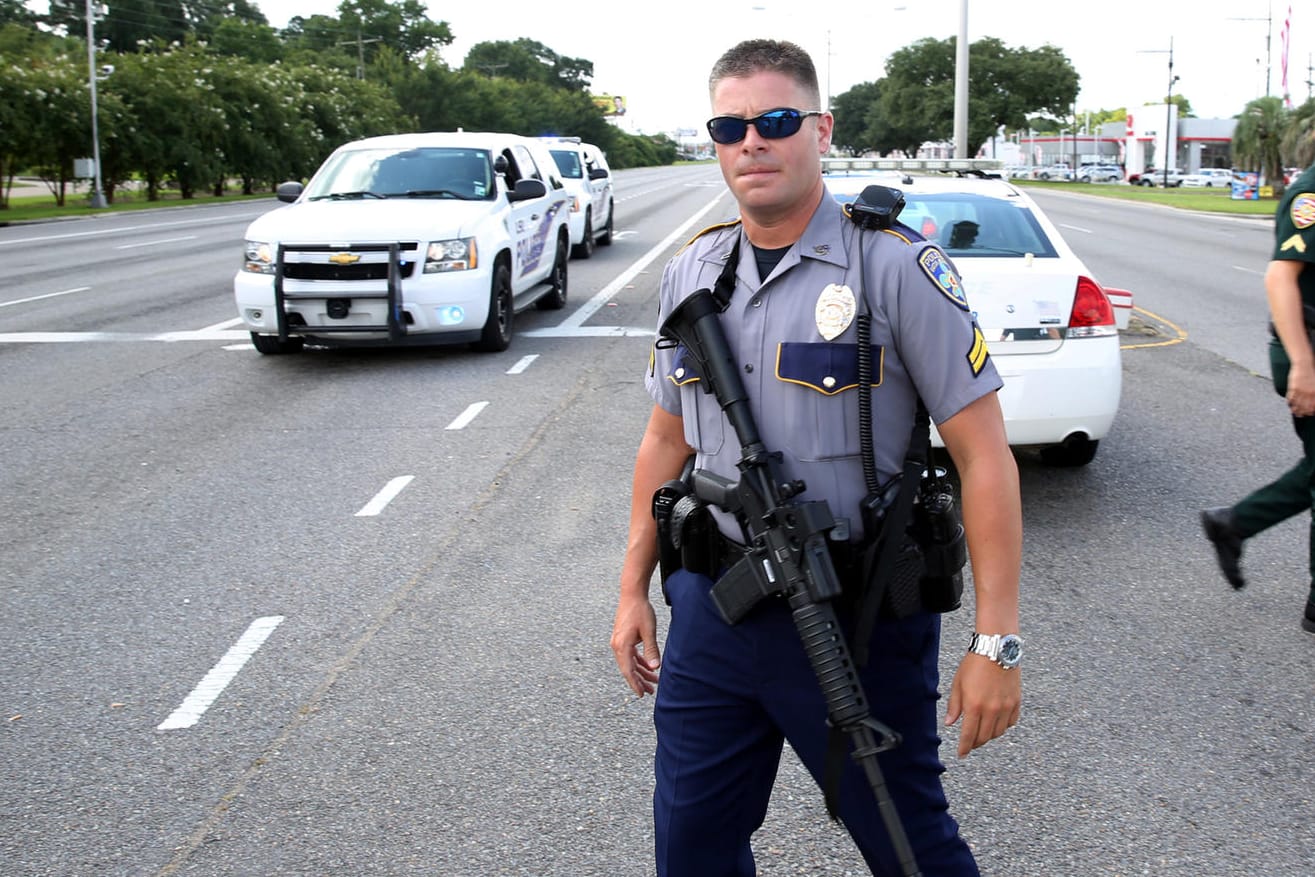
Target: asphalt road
(433,693)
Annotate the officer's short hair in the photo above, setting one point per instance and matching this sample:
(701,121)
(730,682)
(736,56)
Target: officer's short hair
(755,56)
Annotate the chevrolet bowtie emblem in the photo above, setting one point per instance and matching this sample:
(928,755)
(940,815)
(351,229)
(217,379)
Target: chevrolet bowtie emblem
(344,258)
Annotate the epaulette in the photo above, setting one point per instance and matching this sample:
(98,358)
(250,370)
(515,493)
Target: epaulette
(728,224)
(904,233)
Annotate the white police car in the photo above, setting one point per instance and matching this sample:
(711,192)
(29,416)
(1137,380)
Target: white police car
(589,180)
(1052,330)
(437,238)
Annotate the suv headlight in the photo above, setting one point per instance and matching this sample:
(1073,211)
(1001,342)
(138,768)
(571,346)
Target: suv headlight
(259,258)
(453,255)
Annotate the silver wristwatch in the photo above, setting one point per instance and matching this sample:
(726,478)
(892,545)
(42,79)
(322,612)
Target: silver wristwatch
(1005,649)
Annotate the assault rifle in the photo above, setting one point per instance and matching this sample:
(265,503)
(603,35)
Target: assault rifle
(786,550)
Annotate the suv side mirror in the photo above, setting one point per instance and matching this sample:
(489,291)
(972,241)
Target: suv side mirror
(599,173)
(289,191)
(527,190)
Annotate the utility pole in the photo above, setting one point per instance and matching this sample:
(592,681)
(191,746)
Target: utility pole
(359,42)
(97,194)
(961,85)
(1269,33)
(1168,107)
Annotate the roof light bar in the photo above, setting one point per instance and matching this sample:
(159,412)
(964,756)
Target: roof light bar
(914,164)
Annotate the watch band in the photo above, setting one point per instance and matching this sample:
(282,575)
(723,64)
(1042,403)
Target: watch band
(1004,649)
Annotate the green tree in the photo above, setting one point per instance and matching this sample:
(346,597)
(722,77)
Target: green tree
(130,25)
(1257,138)
(850,109)
(404,27)
(526,60)
(1298,142)
(1004,85)
(16,12)
(248,39)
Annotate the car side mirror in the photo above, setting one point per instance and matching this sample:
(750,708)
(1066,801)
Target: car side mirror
(289,191)
(599,173)
(527,190)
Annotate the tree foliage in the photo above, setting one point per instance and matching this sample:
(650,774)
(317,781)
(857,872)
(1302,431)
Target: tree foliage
(204,92)
(1258,137)
(914,103)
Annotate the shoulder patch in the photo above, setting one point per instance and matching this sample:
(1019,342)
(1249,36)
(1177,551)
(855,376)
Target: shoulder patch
(1303,211)
(728,224)
(942,274)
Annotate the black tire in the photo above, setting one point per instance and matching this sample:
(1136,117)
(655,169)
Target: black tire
(496,335)
(585,248)
(1071,454)
(606,237)
(556,300)
(1145,182)
(270,345)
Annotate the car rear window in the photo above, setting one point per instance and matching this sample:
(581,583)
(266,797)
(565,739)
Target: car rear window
(973,226)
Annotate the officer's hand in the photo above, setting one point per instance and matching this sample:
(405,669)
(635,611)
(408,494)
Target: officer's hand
(634,644)
(1301,391)
(987,697)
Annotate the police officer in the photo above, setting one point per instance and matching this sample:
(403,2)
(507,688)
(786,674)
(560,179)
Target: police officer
(1290,288)
(731,694)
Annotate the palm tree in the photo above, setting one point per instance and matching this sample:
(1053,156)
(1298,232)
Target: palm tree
(1257,137)
(1298,144)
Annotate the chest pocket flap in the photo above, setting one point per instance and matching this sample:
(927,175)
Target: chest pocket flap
(827,368)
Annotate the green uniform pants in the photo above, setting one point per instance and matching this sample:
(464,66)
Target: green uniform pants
(1294,491)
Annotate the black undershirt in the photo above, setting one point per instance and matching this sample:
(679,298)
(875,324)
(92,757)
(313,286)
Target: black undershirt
(767,259)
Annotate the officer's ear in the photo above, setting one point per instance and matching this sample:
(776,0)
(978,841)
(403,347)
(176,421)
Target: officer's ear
(826,124)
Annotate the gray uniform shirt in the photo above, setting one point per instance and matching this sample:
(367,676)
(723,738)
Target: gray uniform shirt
(802,387)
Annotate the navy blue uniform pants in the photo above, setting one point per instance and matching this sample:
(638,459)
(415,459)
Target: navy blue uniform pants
(1293,493)
(730,696)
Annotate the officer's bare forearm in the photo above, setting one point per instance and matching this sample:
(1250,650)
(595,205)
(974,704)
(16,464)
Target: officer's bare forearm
(992,510)
(1285,309)
(662,453)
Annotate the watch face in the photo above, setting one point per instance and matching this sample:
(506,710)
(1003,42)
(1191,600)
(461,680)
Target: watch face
(1011,650)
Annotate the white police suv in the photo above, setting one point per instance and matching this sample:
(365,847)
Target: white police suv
(437,238)
(588,178)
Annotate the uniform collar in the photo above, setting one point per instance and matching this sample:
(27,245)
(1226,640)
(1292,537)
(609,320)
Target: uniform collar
(822,240)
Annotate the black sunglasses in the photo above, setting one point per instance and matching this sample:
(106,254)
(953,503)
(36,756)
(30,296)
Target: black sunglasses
(771,125)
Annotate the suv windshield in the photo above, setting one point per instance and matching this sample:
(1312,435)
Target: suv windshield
(425,172)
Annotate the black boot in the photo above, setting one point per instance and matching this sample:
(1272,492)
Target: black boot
(1308,622)
(1221,529)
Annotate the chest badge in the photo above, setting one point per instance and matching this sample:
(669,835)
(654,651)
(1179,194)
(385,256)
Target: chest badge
(835,310)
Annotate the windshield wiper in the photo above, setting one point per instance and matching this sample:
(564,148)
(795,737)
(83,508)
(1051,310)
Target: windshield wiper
(435,193)
(345,196)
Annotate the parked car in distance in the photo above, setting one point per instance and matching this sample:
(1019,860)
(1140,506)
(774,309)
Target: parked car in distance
(1051,328)
(1100,173)
(1157,177)
(1209,178)
(587,177)
(433,238)
(1054,172)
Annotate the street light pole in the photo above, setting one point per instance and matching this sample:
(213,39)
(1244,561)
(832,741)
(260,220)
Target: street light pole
(1168,114)
(1269,35)
(961,85)
(97,197)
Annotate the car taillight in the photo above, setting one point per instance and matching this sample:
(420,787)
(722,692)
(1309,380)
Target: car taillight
(1093,315)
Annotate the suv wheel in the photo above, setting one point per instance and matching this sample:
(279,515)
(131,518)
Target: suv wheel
(606,237)
(272,346)
(585,248)
(497,328)
(556,300)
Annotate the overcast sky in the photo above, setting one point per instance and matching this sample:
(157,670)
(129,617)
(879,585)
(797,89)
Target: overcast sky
(659,58)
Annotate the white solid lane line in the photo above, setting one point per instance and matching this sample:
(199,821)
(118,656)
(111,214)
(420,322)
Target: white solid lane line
(385,496)
(190,237)
(214,683)
(468,415)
